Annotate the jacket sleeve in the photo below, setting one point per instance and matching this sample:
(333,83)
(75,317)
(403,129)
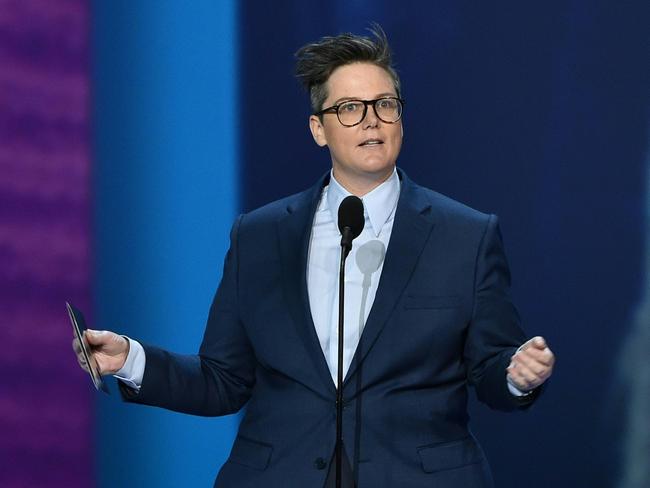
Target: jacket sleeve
(218,380)
(494,333)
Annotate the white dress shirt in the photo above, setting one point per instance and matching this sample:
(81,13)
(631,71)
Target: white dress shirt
(363,266)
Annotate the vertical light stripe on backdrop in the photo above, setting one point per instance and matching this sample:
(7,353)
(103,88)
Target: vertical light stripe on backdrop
(166,192)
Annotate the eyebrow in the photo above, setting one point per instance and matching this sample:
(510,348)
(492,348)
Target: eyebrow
(381,95)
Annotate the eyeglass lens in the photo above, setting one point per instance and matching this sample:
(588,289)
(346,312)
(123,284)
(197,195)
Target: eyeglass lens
(352,112)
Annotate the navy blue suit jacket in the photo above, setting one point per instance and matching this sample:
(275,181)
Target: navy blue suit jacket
(442,319)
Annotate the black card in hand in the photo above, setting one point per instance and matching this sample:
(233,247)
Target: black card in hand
(79,326)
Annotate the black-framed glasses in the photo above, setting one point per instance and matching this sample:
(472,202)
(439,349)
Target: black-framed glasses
(352,112)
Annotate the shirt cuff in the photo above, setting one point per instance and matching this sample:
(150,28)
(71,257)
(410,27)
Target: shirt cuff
(133,370)
(516,391)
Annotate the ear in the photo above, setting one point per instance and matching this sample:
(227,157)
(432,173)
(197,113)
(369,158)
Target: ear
(317,130)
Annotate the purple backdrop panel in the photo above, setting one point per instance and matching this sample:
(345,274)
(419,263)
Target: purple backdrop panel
(45,400)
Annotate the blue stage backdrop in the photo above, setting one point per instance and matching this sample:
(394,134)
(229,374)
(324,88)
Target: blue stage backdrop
(538,113)
(166,192)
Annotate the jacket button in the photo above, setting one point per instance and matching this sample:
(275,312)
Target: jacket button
(319,463)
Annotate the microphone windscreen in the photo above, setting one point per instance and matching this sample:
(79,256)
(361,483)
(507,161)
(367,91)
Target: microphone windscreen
(351,215)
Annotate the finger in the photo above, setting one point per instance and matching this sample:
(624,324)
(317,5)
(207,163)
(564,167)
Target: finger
(524,358)
(522,378)
(518,381)
(81,358)
(532,371)
(99,339)
(537,342)
(548,357)
(544,356)
(528,367)
(109,342)
(541,370)
(526,373)
(96,365)
(79,353)
(95,337)
(82,362)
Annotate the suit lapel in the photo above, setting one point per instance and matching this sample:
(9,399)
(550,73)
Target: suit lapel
(411,229)
(294,231)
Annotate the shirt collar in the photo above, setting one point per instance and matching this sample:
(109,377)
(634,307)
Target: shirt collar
(378,205)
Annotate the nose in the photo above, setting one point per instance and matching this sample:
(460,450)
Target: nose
(371,119)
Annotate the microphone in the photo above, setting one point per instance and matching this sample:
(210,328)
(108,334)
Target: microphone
(351,221)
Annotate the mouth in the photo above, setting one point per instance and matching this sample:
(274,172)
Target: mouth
(371,142)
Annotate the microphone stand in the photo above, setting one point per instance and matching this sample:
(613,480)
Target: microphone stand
(346,246)
(350,223)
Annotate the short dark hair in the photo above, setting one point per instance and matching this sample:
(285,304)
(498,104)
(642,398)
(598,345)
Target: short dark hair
(317,60)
